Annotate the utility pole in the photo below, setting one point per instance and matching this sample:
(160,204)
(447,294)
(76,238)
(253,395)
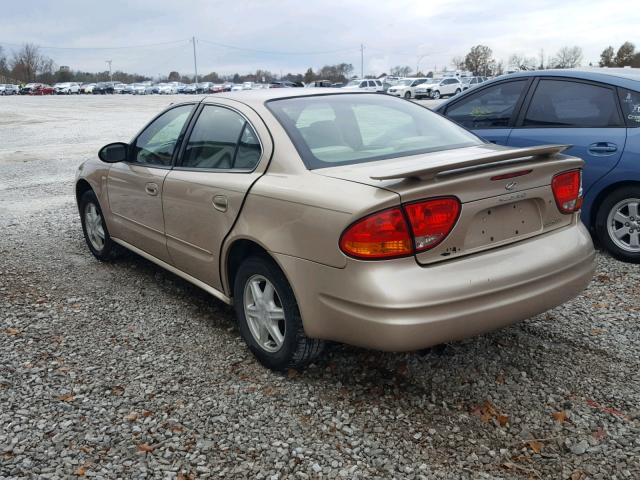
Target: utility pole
(195,63)
(361,61)
(110,75)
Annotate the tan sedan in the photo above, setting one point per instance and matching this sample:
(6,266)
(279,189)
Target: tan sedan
(353,217)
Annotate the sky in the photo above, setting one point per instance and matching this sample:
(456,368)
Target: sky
(152,37)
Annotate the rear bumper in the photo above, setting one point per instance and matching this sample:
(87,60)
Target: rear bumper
(398,305)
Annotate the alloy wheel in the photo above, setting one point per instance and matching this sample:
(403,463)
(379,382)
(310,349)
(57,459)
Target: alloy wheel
(623,224)
(93,226)
(264,313)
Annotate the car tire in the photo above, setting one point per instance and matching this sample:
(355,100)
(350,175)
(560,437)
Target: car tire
(95,229)
(407,95)
(278,345)
(435,95)
(457,91)
(621,203)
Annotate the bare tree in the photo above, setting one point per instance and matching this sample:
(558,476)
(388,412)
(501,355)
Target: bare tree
(401,71)
(4,65)
(458,62)
(625,54)
(607,57)
(522,62)
(568,57)
(478,60)
(26,62)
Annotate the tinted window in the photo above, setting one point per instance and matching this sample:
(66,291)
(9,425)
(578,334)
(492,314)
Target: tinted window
(490,107)
(372,84)
(630,102)
(559,103)
(214,139)
(339,129)
(155,145)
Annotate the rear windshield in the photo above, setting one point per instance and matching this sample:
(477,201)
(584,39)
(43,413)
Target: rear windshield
(339,129)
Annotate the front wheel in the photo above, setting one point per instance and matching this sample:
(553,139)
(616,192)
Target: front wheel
(457,91)
(618,224)
(95,229)
(268,316)
(407,95)
(435,95)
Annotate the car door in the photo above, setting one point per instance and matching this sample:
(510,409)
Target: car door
(585,115)
(134,188)
(227,150)
(489,111)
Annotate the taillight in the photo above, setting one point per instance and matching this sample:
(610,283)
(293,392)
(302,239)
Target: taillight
(567,190)
(432,220)
(381,235)
(386,234)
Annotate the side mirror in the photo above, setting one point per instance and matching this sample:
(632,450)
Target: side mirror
(114,152)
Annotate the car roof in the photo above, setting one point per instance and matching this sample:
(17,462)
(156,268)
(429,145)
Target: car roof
(259,97)
(621,77)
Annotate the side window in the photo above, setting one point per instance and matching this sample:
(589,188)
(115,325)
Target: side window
(214,140)
(490,107)
(363,84)
(561,103)
(630,102)
(155,145)
(372,83)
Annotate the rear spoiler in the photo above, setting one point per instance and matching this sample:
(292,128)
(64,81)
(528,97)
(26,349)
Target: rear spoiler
(494,158)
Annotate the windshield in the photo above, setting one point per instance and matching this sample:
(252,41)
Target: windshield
(353,83)
(405,82)
(330,130)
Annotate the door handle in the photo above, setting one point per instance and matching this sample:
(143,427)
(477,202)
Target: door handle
(151,189)
(603,148)
(220,202)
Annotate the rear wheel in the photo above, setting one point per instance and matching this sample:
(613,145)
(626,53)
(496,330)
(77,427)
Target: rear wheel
(268,316)
(95,229)
(618,224)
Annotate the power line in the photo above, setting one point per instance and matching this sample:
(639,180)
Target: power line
(273,52)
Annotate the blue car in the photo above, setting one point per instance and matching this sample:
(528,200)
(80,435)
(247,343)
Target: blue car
(597,112)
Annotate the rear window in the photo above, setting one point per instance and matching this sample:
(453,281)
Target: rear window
(330,130)
(630,102)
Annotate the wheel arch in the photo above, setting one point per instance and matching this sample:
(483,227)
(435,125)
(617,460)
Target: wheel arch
(82,186)
(238,250)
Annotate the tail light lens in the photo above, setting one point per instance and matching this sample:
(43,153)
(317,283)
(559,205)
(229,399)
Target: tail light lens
(381,235)
(387,234)
(567,190)
(432,220)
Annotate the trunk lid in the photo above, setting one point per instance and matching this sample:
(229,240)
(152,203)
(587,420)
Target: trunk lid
(495,212)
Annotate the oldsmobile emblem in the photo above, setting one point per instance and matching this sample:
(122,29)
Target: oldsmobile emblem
(511,185)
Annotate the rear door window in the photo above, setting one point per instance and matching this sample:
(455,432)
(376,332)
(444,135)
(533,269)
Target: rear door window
(491,107)
(562,103)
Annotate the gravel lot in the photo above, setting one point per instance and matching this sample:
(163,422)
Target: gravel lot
(124,370)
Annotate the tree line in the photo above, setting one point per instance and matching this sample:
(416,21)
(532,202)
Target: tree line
(29,64)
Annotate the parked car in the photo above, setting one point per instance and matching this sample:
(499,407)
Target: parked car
(87,87)
(2,88)
(439,88)
(319,84)
(37,89)
(344,216)
(103,88)
(191,88)
(365,85)
(237,88)
(468,82)
(203,87)
(66,88)
(596,112)
(165,89)
(283,84)
(216,88)
(27,89)
(141,89)
(119,88)
(10,89)
(407,87)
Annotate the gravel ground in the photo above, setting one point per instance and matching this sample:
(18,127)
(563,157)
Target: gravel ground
(124,370)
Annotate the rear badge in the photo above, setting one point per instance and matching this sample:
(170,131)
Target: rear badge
(511,185)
